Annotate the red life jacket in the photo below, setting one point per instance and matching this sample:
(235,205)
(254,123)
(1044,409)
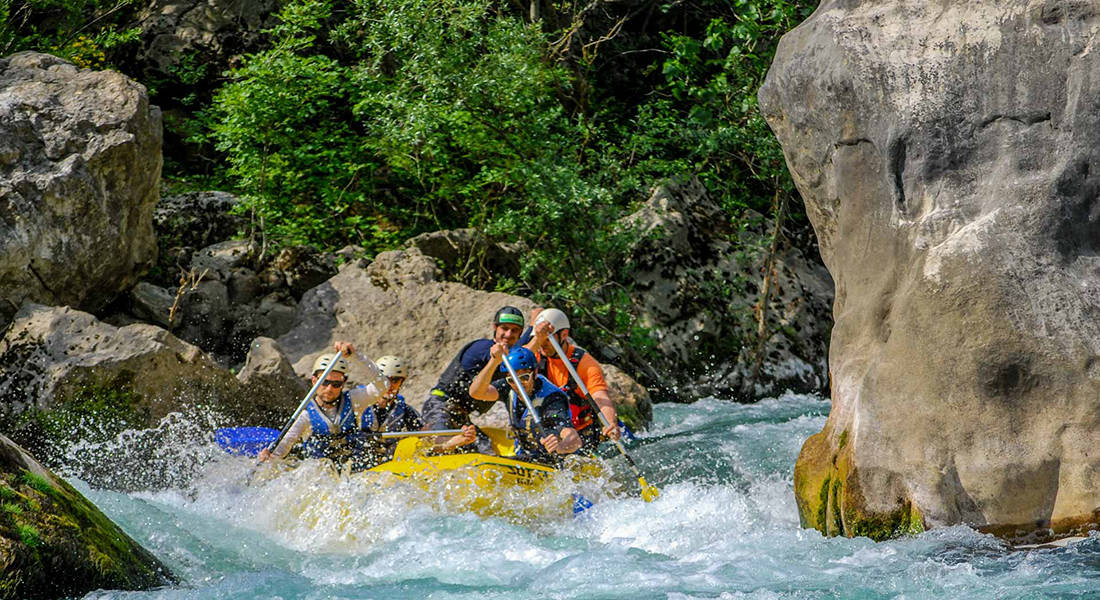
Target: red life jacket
(579,408)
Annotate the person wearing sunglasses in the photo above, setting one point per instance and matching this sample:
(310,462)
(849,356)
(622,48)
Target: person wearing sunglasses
(558,436)
(334,422)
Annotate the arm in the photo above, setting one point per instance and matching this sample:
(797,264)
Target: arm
(369,370)
(299,431)
(567,442)
(481,388)
(592,374)
(607,407)
(539,334)
(468,436)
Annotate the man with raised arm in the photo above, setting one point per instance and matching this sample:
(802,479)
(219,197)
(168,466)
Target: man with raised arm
(336,422)
(449,405)
(553,322)
(557,436)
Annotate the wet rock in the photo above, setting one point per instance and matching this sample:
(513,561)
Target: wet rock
(78,183)
(152,303)
(218,261)
(303,268)
(953,191)
(54,543)
(53,357)
(198,35)
(197,219)
(468,256)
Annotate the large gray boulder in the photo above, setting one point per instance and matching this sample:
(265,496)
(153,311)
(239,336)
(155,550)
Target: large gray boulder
(54,543)
(79,166)
(53,356)
(947,155)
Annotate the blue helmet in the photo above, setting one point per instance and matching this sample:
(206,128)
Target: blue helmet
(520,358)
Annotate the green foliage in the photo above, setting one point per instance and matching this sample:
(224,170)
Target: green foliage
(29,535)
(373,121)
(37,482)
(82,31)
(703,119)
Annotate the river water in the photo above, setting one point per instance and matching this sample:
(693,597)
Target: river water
(725,526)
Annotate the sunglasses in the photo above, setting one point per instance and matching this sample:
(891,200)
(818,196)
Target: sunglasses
(526,376)
(333,383)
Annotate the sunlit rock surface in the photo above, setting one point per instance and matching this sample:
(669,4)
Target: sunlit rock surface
(53,355)
(79,166)
(947,154)
(54,543)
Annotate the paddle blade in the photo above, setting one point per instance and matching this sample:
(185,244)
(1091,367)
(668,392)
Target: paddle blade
(245,441)
(580,504)
(649,492)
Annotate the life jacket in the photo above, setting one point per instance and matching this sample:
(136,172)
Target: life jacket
(526,439)
(339,444)
(397,415)
(580,410)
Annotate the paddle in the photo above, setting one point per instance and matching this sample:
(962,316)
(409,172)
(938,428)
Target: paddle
(302,404)
(248,441)
(649,492)
(580,503)
(523,394)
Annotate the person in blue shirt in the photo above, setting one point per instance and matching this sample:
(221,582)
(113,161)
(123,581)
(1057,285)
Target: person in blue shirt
(557,436)
(449,404)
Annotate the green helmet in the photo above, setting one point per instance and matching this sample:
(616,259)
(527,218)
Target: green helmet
(508,314)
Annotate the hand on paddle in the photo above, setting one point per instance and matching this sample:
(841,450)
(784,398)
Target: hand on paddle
(467,437)
(551,443)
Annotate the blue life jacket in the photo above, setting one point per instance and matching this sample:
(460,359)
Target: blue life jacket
(552,405)
(320,442)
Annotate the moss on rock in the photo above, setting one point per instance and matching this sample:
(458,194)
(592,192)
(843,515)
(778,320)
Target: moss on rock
(826,487)
(47,527)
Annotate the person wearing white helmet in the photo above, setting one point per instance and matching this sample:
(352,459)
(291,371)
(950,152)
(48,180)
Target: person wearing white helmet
(334,422)
(553,322)
(390,410)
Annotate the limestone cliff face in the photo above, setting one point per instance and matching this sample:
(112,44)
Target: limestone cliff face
(947,153)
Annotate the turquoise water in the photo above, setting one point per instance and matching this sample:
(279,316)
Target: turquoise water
(725,526)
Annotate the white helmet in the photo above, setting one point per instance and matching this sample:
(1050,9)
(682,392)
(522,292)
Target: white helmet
(324,360)
(556,318)
(393,366)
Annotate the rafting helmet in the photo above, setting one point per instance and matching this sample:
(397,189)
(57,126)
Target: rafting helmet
(520,358)
(324,360)
(508,314)
(393,366)
(556,318)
